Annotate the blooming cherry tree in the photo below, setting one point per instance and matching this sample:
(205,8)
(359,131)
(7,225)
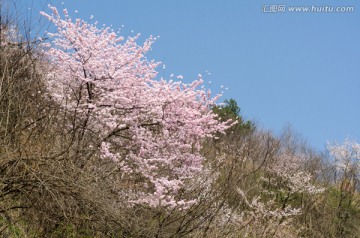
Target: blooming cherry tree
(152,129)
(287,172)
(346,157)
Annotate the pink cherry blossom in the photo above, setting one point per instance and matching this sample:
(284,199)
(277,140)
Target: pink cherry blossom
(152,128)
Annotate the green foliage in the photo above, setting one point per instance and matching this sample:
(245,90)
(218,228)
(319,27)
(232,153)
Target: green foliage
(65,230)
(231,110)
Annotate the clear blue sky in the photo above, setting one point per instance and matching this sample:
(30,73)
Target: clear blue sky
(301,69)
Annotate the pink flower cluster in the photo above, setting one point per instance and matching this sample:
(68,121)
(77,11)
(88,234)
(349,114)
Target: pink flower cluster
(152,128)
